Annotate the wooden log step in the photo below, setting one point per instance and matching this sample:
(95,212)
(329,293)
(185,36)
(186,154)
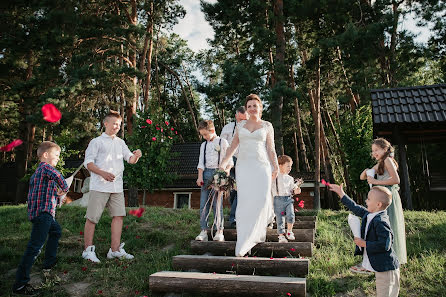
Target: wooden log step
(302,235)
(242,265)
(297,225)
(226,284)
(263,249)
(298,218)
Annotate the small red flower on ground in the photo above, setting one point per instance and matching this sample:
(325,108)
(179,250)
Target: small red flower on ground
(99,292)
(137,237)
(51,113)
(271,258)
(11,145)
(149,121)
(137,212)
(81,233)
(153,138)
(292,249)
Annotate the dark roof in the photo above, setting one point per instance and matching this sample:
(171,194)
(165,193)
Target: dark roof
(185,158)
(420,104)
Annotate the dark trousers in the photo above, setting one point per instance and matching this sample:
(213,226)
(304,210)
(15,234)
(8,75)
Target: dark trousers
(233,196)
(44,226)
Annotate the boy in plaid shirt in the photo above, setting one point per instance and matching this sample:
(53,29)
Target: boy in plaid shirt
(45,188)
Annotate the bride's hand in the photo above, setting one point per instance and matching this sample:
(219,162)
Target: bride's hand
(275,172)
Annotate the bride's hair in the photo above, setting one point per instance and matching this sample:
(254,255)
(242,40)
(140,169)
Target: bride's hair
(254,97)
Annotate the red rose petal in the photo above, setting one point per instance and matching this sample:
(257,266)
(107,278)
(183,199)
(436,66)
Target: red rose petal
(289,294)
(143,127)
(149,121)
(153,138)
(167,123)
(282,213)
(11,145)
(84,268)
(172,129)
(157,128)
(99,292)
(51,113)
(81,233)
(301,204)
(292,249)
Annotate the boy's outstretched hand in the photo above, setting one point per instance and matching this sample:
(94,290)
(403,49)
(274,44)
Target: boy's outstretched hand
(337,189)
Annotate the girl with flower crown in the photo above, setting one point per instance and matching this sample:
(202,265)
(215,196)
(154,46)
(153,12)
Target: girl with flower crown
(387,175)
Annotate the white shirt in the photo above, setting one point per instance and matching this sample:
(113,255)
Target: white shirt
(285,183)
(108,154)
(228,133)
(212,149)
(365,259)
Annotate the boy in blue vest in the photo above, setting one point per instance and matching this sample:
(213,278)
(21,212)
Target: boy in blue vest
(212,151)
(45,188)
(376,242)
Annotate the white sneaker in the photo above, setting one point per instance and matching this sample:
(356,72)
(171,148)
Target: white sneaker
(90,255)
(270,226)
(290,235)
(219,236)
(203,236)
(282,239)
(121,253)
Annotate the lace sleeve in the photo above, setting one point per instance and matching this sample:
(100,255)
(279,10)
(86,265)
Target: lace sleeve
(230,152)
(270,146)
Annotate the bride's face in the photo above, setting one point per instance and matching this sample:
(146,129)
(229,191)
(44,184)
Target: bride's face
(254,108)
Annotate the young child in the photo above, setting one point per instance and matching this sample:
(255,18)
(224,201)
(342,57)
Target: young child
(283,188)
(387,176)
(376,242)
(212,152)
(104,159)
(45,188)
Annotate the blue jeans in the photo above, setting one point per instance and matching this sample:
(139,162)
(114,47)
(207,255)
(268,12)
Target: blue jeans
(233,196)
(44,226)
(283,208)
(204,212)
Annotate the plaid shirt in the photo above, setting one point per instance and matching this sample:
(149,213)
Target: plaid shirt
(42,194)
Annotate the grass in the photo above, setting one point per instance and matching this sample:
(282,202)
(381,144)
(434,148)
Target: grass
(162,233)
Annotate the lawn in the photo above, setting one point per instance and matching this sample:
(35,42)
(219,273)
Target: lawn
(162,233)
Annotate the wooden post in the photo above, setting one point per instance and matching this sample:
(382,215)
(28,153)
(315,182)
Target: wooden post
(404,169)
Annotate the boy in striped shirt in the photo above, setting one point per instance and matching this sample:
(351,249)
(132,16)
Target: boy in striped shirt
(45,188)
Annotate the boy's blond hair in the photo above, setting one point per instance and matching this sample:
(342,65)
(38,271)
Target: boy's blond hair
(112,114)
(383,195)
(282,159)
(46,146)
(206,125)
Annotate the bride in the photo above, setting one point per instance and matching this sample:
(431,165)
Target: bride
(256,166)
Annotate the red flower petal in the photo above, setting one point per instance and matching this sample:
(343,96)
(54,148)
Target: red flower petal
(136,292)
(176,132)
(292,249)
(325,183)
(84,268)
(65,272)
(153,138)
(282,213)
(170,137)
(99,292)
(161,129)
(157,128)
(289,294)
(51,113)
(11,145)
(142,127)
(149,121)
(172,129)
(271,258)
(167,123)
(137,237)
(126,227)
(81,233)
(301,204)
(297,199)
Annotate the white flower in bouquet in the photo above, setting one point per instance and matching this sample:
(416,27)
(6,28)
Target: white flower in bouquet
(224,181)
(217,148)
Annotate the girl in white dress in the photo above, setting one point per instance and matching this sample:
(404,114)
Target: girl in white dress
(256,166)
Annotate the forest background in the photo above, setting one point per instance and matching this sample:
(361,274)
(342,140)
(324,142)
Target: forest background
(312,62)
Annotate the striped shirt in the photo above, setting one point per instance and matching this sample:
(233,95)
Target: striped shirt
(42,194)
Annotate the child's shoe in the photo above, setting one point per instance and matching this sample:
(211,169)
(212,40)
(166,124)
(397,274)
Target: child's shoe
(121,253)
(90,255)
(27,290)
(290,235)
(203,236)
(270,226)
(282,239)
(219,236)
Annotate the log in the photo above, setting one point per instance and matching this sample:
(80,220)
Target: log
(263,249)
(297,225)
(302,235)
(298,218)
(226,284)
(242,265)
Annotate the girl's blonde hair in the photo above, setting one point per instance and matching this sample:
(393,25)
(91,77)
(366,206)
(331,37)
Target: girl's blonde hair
(389,153)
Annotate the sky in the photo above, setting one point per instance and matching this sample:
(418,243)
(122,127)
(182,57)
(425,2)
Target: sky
(196,30)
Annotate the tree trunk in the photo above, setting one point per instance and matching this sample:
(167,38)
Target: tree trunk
(133,197)
(149,57)
(296,151)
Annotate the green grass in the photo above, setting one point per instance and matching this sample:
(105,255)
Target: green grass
(146,237)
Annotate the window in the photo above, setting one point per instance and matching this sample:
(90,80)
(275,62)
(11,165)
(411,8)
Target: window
(77,185)
(182,200)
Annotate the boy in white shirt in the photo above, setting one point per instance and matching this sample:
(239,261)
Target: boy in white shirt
(283,188)
(211,153)
(104,159)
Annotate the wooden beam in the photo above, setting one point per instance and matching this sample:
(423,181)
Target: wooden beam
(263,249)
(297,225)
(404,169)
(226,284)
(302,235)
(242,265)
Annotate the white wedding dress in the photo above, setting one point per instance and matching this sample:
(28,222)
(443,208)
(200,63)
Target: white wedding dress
(253,176)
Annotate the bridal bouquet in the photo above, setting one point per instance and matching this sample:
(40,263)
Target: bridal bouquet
(221,182)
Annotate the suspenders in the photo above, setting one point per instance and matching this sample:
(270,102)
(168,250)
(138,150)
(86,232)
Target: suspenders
(277,185)
(205,145)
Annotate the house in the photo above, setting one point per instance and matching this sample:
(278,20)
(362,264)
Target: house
(185,193)
(415,118)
